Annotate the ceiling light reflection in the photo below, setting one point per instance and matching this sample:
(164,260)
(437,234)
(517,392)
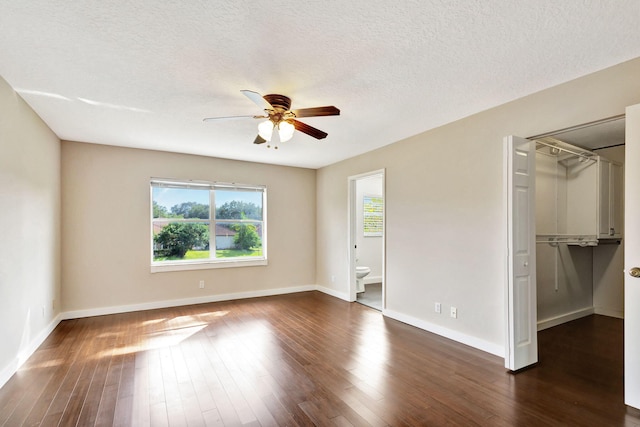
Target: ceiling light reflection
(113,106)
(41,93)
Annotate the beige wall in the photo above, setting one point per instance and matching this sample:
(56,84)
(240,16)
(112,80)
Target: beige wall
(445,218)
(106,231)
(30,242)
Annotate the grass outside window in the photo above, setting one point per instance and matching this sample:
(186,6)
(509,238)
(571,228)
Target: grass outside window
(220,253)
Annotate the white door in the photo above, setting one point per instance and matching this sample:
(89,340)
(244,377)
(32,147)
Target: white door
(521,317)
(632,258)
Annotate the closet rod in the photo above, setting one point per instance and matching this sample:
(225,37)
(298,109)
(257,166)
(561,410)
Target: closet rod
(585,155)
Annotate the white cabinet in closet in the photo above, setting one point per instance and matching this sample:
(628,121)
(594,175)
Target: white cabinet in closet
(578,195)
(580,181)
(610,209)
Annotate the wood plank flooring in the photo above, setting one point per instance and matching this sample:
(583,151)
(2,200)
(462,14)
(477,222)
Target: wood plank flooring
(307,359)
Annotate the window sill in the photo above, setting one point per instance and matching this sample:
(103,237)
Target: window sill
(205,265)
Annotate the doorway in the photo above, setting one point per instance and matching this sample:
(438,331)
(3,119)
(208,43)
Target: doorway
(567,263)
(585,277)
(367,239)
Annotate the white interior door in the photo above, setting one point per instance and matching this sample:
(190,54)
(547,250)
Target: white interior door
(632,258)
(521,349)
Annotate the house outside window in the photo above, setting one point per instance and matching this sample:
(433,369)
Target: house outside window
(187,233)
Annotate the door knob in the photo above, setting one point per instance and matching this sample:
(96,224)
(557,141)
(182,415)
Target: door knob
(634,272)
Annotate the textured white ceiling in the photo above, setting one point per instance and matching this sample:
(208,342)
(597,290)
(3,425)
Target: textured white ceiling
(144,73)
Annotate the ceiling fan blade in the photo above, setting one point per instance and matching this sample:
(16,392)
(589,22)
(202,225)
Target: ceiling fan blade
(309,130)
(259,140)
(257,99)
(210,119)
(329,110)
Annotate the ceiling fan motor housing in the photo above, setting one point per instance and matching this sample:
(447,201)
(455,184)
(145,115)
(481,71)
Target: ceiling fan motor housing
(278,101)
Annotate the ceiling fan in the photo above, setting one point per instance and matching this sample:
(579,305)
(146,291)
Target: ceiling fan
(277,109)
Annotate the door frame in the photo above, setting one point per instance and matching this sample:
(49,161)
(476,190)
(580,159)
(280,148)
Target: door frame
(631,257)
(352,233)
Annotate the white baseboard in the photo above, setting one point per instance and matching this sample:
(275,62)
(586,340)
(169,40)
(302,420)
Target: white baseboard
(342,295)
(101,311)
(609,312)
(495,349)
(7,372)
(568,317)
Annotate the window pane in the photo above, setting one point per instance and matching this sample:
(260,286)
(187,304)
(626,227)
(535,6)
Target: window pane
(238,239)
(180,240)
(180,203)
(187,228)
(233,204)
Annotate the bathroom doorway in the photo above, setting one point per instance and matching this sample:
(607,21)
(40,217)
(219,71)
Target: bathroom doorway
(366,239)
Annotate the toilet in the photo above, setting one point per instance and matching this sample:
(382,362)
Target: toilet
(361,273)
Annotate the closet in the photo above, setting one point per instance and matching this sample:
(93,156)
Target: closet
(579,218)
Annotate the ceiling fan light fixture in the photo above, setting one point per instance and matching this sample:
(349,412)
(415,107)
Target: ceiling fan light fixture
(265,130)
(285,131)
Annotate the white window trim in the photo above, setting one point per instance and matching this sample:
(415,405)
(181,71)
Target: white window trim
(157,267)
(209,263)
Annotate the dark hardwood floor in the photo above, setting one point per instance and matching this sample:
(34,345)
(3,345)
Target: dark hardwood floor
(307,359)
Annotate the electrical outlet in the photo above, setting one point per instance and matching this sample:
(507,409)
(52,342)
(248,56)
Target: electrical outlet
(201,284)
(438,307)
(43,311)
(454,312)
(333,279)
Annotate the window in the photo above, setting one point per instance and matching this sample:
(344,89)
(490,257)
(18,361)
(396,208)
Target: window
(188,234)
(373,208)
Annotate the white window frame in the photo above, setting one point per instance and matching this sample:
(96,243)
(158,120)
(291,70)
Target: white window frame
(209,263)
